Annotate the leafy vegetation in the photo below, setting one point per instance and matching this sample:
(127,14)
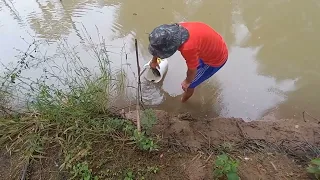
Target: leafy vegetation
(226,167)
(81,171)
(314,167)
(129,176)
(143,142)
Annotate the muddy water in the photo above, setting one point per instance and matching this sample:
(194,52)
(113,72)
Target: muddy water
(272,72)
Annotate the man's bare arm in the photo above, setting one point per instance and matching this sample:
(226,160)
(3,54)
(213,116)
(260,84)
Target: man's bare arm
(154,59)
(191,74)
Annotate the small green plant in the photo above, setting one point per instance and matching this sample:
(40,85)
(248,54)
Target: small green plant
(143,142)
(226,167)
(82,171)
(129,176)
(141,139)
(314,167)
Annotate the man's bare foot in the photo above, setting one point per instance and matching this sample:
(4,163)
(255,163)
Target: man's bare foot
(186,95)
(183,99)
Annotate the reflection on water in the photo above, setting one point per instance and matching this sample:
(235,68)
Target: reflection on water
(253,93)
(272,67)
(243,86)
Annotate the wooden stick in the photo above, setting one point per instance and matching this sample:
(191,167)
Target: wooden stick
(139,70)
(138,89)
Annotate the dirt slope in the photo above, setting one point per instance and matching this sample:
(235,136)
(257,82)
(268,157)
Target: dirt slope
(266,149)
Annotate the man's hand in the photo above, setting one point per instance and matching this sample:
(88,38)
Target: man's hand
(154,63)
(191,74)
(185,85)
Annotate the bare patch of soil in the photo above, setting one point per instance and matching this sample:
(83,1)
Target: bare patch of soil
(8,165)
(48,167)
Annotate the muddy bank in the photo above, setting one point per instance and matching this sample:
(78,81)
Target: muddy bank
(266,149)
(194,133)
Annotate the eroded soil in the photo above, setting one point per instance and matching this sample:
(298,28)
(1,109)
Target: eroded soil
(266,149)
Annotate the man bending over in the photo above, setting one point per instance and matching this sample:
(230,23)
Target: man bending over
(203,49)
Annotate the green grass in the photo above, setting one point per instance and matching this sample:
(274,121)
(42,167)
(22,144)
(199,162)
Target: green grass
(75,119)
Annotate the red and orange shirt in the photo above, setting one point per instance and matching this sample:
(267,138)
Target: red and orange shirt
(204,43)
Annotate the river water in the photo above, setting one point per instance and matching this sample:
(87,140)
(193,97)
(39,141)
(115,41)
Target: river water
(272,70)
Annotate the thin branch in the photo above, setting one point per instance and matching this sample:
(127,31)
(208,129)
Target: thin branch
(138,89)
(303,115)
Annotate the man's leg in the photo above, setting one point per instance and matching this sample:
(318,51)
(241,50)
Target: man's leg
(204,72)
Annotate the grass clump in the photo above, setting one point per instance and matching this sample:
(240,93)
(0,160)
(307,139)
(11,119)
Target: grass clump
(226,167)
(74,117)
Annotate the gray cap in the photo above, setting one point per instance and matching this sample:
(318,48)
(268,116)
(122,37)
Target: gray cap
(166,39)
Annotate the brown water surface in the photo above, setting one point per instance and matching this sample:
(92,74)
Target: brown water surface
(272,71)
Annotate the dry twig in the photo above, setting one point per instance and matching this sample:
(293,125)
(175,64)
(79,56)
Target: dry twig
(303,115)
(274,166)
